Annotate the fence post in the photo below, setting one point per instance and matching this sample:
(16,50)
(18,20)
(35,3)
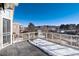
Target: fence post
(34,35)
(28,35)
(13,39)
(71,41)
(46,36)
(60,36)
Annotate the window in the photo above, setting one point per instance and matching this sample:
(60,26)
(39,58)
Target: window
(6,31)
(4,39)
(7,11)
(4,25)
(8,26)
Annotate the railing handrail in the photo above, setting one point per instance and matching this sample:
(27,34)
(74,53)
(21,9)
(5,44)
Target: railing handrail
(52,37)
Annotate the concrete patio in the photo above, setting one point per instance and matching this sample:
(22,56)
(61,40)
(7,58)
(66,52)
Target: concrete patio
(21,49)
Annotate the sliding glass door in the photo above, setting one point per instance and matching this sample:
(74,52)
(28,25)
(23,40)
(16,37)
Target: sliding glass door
(6,31)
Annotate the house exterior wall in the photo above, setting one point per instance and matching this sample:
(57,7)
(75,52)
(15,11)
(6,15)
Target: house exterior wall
(6,13)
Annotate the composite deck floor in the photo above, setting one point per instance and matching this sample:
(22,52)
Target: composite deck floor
(21,49)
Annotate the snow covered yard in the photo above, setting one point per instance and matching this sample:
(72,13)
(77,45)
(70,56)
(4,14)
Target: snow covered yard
(55,49)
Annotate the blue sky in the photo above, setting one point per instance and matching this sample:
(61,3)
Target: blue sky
(47,13)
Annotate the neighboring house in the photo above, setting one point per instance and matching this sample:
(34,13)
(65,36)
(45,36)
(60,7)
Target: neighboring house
(44,28)
(47,28)
(6,18)
(17,30)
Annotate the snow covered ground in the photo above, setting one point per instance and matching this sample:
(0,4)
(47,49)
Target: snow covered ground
(55,49)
